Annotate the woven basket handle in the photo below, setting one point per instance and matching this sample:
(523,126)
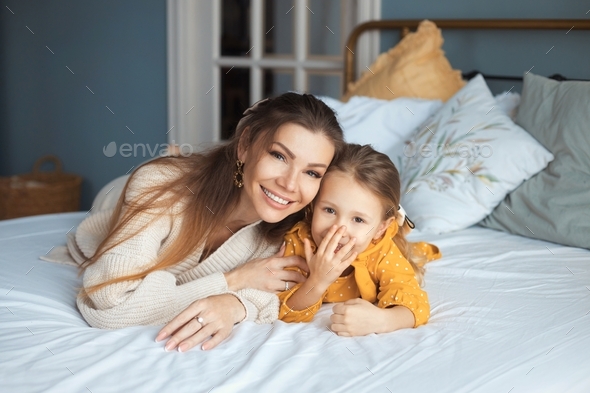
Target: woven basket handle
(56,163)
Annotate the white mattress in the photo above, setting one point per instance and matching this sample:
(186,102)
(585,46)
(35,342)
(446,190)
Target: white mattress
(509,314)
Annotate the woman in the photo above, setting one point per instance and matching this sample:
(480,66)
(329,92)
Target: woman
(175,249)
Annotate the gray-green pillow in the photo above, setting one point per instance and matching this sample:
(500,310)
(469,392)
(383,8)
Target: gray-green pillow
(553,205)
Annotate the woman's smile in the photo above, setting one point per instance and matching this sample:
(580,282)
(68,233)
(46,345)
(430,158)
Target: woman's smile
(275,198)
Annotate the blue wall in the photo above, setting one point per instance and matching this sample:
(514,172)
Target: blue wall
(115,48)
(504,52)
(118,49)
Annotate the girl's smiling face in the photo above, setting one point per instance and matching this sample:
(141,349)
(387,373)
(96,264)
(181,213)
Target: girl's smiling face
(343,201)
(284,177)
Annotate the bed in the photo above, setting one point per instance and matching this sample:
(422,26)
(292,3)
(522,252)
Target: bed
(510,314)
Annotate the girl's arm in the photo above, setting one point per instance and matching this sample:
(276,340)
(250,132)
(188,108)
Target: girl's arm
(401,303)
(287,314)
(325,267)
(358,317)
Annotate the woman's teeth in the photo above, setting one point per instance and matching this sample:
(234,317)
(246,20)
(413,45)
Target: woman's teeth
(274,197)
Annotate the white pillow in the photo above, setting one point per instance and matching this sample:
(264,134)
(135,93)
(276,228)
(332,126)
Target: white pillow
(463,161)
(385,125)
(508,103)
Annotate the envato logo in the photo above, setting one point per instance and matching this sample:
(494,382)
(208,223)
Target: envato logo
(463,150)
(147,150)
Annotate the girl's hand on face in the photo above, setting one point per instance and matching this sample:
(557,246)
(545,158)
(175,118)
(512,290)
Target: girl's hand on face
(358,317)
(267,274)
(218,314)
(326,265)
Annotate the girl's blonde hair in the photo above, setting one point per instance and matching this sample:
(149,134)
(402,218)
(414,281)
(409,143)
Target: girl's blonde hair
(378,174)
(210,178)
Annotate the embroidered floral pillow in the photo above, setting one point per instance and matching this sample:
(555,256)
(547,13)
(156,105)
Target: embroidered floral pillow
(464,159)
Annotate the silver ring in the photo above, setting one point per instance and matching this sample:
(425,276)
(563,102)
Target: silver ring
(200,320)
(286,285)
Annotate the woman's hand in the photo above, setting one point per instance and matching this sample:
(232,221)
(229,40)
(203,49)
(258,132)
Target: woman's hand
(326,265)
(267,274)
(217,314)
(358,317)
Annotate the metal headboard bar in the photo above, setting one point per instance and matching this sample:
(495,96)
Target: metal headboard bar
(471,74)
(480,24)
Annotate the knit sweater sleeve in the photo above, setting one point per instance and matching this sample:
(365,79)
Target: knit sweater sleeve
(161,295)
(245,245)
(156,298)
(261,306)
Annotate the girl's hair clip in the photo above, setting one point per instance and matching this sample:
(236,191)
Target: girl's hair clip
(403,217)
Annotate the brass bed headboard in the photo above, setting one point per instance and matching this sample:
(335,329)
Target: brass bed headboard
(480,24)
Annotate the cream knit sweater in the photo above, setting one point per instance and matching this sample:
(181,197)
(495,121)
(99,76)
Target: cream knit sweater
(163,294)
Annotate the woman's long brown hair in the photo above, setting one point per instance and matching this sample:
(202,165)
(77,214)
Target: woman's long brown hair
(378,174)
(205,188)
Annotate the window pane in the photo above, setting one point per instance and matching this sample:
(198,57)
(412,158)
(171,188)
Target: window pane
(278,27)
(325,84)
(277,82)
(235,28)
(235,98)
(324,28)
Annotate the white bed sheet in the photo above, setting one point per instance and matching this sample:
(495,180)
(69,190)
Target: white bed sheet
(509,314)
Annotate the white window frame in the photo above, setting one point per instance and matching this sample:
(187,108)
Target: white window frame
(194,63)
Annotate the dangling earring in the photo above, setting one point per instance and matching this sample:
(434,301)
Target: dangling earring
(239,174)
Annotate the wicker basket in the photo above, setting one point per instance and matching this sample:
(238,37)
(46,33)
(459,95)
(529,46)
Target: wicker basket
(39,192)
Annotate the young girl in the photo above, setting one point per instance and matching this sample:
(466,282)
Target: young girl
(363,258)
